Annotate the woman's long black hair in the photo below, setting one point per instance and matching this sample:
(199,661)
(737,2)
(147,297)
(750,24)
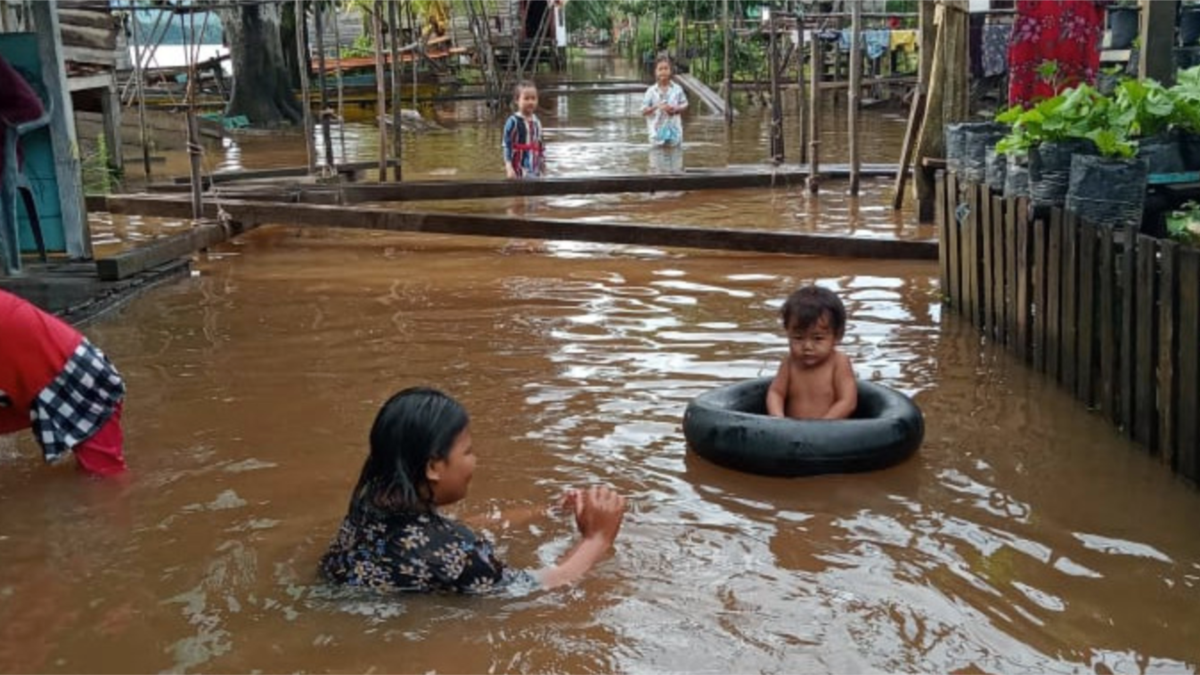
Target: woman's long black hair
(415,426)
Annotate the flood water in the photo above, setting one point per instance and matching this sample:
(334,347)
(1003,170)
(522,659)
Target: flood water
(604,133)
(1024,536)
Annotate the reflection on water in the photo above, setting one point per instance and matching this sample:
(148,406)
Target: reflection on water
(1024,536)
(604,133)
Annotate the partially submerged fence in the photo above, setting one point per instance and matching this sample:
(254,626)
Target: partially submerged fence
(1112,315)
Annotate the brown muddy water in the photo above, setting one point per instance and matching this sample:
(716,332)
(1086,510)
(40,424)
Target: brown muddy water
(1025,536)
(604,133)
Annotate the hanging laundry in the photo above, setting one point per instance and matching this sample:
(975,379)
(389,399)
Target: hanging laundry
(844,40)
(1055,44)
(876,42)
(995,48)
(905,39)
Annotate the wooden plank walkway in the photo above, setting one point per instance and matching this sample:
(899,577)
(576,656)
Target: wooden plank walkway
(707,96)
(727,178)
(250,213)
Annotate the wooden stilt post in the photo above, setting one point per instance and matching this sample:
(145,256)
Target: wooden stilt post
(110,109)
(380,95)
(776,104)
(855,91)
(327,137)
(1157,61)
(728,82)
(341,108)
(303,64)
(394,34)
(62,130)
(814,126)
(416,35)
(801,98)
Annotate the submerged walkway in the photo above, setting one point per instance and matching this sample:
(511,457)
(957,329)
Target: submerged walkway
(728,178)
(244,214)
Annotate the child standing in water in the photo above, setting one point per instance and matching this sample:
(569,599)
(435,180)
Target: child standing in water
(662,106)
(815,380)
(524,151)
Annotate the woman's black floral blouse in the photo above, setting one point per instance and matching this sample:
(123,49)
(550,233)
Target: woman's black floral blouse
(416,551)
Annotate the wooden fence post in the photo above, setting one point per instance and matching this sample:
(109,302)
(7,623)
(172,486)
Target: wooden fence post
(1053,286)
(1168,310)
(1039,295)
(1085,383)
(1144,424)
(1189,363)
(1069,355)
(1106,300)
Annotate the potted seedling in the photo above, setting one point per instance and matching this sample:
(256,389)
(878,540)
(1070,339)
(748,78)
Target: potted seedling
(1145,111)
(1183,224)
(1122,24)
(1189,24)
(1049,134)
(1108,188)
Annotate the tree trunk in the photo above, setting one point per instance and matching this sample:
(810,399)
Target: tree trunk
(261,83)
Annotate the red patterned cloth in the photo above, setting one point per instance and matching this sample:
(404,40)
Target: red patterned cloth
(1055,44)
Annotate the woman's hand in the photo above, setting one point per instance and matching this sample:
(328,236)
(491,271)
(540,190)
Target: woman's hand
(598,513)
(510,171)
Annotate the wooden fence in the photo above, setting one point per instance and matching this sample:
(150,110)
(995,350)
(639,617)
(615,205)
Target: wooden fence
(1113,316)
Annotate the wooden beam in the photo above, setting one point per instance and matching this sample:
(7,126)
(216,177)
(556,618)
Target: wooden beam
(142,258)
(250,214)
(481,189)
(425,190)
(87,18)
(104,39)
(1157,58)
(100,57)
(96,81)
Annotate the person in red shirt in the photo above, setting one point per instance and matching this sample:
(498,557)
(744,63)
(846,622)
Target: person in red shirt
(57,383)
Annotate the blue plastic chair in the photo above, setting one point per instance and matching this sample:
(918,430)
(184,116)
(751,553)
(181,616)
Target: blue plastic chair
(14,182)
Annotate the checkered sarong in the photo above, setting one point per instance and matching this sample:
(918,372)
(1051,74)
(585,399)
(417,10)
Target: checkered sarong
(77,403)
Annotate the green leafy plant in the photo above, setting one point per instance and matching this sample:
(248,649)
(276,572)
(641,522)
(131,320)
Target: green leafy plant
(1142,108)
(1081,112)
(1183,224)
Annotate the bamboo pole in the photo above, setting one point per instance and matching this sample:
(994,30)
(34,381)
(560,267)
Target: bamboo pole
(380,95)
(325,133)
(855,91)
(141,96)
(394,32)
(150,40)
(193,133)
(728,86)
(946,101)
(310,154)
(916,113)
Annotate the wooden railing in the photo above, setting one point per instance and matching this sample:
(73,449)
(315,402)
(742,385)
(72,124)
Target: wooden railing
(1112,315)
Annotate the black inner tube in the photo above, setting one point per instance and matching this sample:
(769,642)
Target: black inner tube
(729,426)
